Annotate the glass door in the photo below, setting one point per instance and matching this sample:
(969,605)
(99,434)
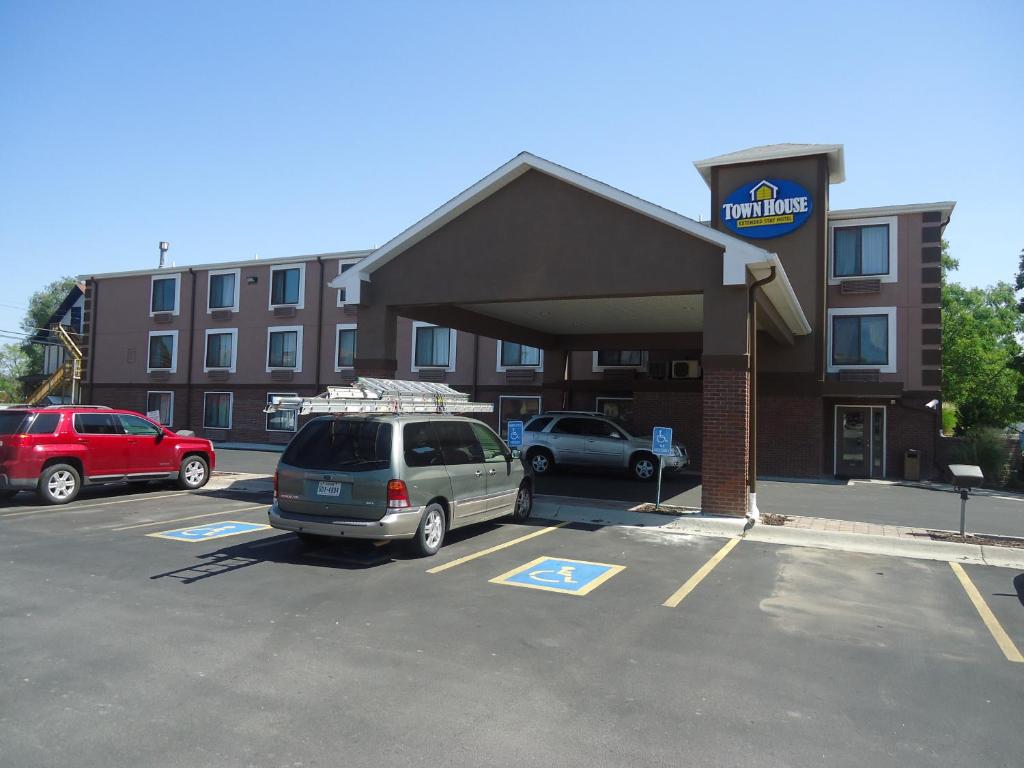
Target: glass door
(860,441)
(853,442)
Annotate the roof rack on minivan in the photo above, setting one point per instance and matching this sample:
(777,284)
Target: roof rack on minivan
(370,396)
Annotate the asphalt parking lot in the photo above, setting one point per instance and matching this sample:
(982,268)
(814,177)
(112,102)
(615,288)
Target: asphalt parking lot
(125,649)
(991,512)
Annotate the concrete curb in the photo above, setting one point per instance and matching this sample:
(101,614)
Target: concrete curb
(601,512)
(242,482)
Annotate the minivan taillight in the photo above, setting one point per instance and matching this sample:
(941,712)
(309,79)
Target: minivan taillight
(275,483)
(398,495)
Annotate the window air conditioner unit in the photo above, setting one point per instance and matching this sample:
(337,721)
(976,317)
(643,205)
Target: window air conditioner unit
(685,369)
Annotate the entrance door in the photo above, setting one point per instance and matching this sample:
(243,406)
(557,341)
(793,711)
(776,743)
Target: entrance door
(860,441)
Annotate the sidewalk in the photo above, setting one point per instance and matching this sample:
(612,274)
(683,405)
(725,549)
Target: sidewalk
(819,533)
(828,525)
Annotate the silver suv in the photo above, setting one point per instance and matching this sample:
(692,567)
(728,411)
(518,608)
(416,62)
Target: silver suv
(409,477)
(587,439)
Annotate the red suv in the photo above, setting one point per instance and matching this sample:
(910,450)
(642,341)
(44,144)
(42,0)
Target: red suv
(57,450)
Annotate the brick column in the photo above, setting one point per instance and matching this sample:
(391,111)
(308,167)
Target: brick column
(726,440)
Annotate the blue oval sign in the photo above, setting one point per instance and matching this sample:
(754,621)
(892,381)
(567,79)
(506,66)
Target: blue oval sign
(766,208)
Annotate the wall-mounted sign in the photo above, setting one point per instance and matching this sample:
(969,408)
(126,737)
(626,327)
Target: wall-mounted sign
(766,208)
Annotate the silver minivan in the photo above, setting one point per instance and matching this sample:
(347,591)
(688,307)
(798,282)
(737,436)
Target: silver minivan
(411,477)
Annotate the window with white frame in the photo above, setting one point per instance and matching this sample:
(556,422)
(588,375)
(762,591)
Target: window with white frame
(160,407)
(162,354)
(217,410)
(223,289)
(863,248)
(343,267)
(345,346)
(284,348)
(287,285)
(165,294)
(282,421)
(433,346)
(619,409)
(516,408)
(221,349)
(619,358)
(862,338)
(512,355)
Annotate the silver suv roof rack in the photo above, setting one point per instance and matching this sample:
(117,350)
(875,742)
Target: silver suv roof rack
(381,396)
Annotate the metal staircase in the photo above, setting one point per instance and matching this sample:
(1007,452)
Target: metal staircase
(69,372)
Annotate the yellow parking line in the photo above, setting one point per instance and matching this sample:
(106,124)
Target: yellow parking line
(691,583)
(998,633)
(75,508)
(489,550)
(193,517)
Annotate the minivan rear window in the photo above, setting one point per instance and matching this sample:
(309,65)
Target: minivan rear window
(10,422)
(354,445)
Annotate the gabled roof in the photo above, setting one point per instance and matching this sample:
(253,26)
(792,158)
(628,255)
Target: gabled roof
(836,160)
(739,254)
(74,293)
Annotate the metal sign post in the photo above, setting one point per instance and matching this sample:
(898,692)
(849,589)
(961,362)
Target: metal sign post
(965,477)
(661,445)
(515,437)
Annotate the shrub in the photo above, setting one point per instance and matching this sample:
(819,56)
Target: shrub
(948,418)
(988,448)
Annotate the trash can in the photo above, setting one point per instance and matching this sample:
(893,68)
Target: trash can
(911,465)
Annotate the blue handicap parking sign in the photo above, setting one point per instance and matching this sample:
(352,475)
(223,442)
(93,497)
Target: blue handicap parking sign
(661,443)
(553,574)
(515,434)
(210,531)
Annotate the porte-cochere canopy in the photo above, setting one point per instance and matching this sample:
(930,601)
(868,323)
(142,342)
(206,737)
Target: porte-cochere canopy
(538,254)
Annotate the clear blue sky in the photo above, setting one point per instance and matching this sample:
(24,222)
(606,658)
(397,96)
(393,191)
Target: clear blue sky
(232,129)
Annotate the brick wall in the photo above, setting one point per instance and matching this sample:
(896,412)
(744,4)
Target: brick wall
(248,422)
(680,410)
(725,435)
(790,436)
(910,425)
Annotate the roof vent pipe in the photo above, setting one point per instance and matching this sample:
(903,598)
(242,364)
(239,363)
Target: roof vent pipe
(163,250)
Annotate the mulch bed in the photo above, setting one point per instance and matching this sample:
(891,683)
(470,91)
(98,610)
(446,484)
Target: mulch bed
(665,509)
(977,538)
(770,518)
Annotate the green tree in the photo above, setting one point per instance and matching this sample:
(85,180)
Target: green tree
(981,354)
(12,365)
(42,304)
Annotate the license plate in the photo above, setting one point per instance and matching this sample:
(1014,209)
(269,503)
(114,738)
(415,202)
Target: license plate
(325,488)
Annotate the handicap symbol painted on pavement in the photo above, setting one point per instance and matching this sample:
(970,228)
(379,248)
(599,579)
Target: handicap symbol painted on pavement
(210,531)
(573,577)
